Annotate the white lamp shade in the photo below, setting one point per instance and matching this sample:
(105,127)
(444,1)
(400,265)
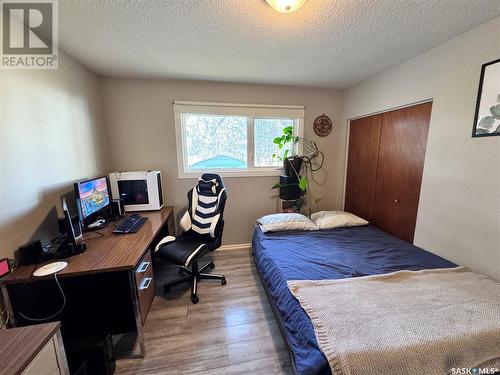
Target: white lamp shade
(286,6)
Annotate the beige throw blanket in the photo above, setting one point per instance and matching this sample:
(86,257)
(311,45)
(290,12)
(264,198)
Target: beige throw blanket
(407,322)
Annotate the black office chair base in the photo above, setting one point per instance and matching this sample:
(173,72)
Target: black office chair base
(193,275)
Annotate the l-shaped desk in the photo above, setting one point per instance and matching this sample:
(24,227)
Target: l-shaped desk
(109,288)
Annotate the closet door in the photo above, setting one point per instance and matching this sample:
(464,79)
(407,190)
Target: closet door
(403,141)
(364,136)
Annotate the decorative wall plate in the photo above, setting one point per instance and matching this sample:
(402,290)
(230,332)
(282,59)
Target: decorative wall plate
(322,125)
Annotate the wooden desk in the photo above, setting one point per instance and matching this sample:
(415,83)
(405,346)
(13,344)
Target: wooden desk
(32,350)
(110,259)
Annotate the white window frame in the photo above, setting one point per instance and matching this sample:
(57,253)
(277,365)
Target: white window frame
(251,111)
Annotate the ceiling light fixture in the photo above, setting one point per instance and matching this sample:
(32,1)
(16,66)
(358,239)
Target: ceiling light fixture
(286,6)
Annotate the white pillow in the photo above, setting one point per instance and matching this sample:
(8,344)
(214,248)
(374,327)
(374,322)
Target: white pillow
(336,219)
(285,221)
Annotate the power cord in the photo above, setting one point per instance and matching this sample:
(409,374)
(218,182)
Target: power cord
(99,235)
(51,316)
(3,323)
(52,243)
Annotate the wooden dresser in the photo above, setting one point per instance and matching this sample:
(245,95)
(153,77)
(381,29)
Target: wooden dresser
(32,350)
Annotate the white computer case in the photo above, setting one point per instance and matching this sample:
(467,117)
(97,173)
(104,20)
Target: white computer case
(139,190)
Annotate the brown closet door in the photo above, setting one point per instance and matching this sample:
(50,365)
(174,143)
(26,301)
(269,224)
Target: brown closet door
(364,135)
(403,141)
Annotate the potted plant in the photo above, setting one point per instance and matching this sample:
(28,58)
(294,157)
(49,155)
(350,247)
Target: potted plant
(298,165)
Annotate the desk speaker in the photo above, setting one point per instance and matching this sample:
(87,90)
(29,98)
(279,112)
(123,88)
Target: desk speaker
(30,253)
(117,209)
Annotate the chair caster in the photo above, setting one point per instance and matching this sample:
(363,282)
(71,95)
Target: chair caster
(195,299)
(212,265)
(223,281)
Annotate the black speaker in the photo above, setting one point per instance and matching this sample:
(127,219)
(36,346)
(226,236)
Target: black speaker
(31,253)
(290,188)
(117,209)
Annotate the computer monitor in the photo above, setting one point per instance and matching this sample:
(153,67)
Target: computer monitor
(92,197)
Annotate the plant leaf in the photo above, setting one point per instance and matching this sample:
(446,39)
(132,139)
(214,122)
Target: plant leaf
(285,154)
(495,111)
(277,140)
(276,186)
(303,183)
(486,122)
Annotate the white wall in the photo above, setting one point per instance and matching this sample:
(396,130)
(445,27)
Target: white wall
(50,136)
(459,210)
(140,121)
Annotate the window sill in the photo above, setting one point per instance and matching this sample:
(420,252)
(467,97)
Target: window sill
(229,174)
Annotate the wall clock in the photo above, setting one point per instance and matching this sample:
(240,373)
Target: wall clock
(322,125)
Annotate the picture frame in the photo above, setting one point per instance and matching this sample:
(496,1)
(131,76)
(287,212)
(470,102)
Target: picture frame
(487,115)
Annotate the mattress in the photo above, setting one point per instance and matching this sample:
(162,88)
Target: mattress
(326,254)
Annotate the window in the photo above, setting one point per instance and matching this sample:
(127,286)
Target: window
(231,139)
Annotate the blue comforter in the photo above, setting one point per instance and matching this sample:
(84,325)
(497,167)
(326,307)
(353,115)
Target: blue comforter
(327,254)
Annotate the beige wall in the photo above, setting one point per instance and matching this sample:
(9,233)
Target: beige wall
(140,121)
(50,136)
(459,211)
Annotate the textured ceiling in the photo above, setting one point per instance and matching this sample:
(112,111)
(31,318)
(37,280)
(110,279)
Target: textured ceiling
(329,43)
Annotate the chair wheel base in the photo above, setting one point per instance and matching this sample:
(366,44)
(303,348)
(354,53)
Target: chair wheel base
(223,281)
(195,299)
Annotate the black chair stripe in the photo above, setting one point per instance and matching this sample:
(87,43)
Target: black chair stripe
(208,215)
(207,205)
(201,225)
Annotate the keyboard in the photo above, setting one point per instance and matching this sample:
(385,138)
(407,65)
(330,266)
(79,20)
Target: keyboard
(131,224)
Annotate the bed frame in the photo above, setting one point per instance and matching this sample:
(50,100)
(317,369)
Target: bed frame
(276,316)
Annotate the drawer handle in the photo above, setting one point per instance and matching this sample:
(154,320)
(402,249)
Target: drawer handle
(143,267)
(146,283)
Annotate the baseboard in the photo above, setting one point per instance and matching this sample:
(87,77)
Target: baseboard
(237,246)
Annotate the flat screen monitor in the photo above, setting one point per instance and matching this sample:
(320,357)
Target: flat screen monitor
(93,196)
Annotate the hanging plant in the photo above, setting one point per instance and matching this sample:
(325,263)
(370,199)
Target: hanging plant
(294,164)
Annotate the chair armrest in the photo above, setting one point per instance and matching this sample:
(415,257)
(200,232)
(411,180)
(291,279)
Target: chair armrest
(164,241)
(185,222)
(214,226)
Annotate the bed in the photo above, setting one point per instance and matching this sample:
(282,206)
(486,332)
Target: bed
(325,254)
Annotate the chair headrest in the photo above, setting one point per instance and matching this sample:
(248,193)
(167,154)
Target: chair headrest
(214,176)
(207,186)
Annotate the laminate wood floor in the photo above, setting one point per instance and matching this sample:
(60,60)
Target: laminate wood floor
(230,331)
